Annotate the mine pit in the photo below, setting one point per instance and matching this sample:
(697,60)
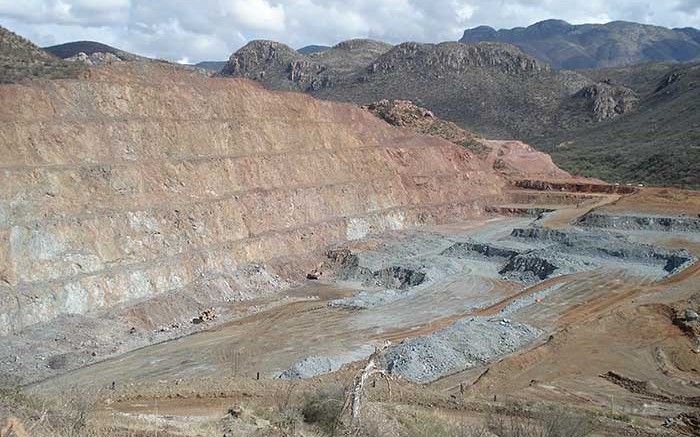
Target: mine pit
(429,287)
(256,241)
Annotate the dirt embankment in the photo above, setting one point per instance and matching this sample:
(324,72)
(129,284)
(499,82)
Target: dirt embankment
(513,159)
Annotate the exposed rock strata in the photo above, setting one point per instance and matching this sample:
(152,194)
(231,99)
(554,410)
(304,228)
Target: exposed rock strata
(143,179)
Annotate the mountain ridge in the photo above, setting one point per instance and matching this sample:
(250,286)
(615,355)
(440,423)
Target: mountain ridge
(613,44)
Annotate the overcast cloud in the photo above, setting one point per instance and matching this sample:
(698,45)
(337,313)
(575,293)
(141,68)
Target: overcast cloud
(195,30)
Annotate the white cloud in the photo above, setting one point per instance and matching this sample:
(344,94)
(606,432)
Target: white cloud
(464,12)
(212,29)
(84,12)
(258,15)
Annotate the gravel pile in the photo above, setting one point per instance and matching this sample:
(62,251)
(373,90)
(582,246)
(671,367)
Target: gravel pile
(310,367)
(466,344)
(320,365)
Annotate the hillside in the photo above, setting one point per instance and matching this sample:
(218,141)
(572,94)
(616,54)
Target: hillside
(641,78)
(658,143)
(71,49)
(513,159)
(614,44)
(21,60)
(499,92)
(490,88)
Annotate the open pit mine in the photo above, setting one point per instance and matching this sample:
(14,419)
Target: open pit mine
(188,251)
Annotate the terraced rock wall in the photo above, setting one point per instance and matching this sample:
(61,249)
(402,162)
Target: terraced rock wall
(140,179)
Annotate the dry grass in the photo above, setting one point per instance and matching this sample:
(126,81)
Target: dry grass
(67,416)
(433,425)
(555,423)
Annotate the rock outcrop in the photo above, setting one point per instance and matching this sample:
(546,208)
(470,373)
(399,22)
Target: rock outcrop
(261,59)
(96,58)
(143,179)
(605,100)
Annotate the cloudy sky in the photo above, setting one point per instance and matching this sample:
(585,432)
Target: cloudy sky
(194,30)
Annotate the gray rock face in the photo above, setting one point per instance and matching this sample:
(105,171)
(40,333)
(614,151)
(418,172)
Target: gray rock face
(690,315)
(350,266)
(534,254)
(606,101)
(466,249)
(96,58)
(605,245)
(529,266)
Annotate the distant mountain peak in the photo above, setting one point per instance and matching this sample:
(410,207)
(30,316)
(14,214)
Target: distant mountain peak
(288,69)
(613,44)
(258,56)
(361,43)
(74,48)
(313,48)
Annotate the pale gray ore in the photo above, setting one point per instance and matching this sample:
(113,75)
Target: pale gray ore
(310,367)
(466,344)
